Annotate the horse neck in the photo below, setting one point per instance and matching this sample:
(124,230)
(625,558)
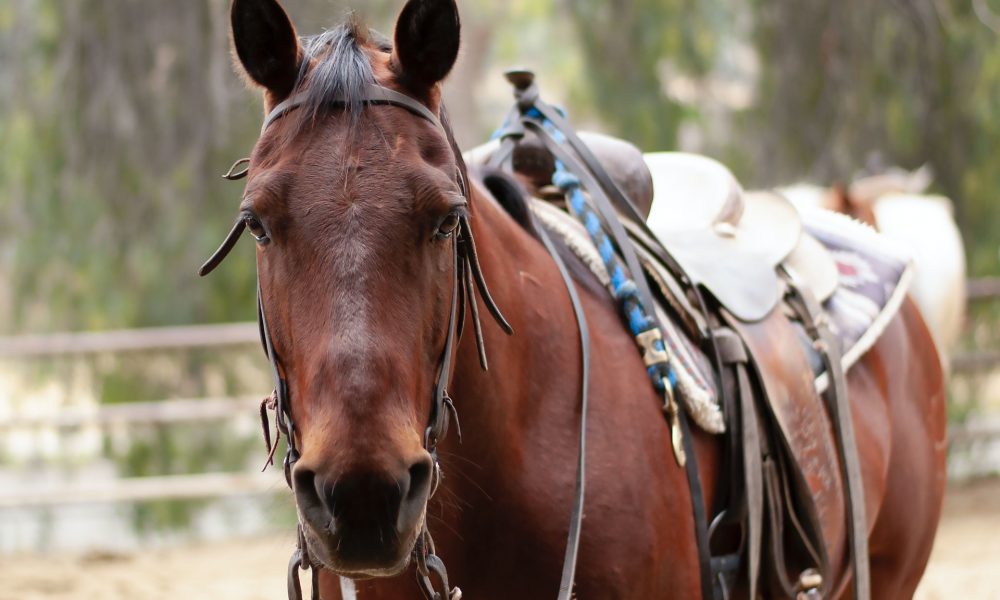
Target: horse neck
(528,290)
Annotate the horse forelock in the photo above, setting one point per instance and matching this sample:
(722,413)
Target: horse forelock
(334,75)
(335,70)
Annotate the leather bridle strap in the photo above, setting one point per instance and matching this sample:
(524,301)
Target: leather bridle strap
(441,404)
(576,518)
(373,94)
(282,409)
(227,246)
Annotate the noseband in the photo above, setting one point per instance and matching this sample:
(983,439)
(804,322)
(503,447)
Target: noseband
(467,280)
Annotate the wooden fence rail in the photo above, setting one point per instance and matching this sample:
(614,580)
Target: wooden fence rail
(218,485)
(138,489)
(985,288)
(130,340)
(207,336)
(140,413)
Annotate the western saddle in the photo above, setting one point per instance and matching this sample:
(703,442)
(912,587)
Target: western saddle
(789,520)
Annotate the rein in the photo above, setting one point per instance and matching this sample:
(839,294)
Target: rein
(467,280)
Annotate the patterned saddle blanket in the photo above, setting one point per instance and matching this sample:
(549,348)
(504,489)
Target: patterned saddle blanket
(873,278)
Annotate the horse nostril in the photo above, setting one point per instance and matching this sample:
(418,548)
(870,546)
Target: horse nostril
(304,484)
(420,479)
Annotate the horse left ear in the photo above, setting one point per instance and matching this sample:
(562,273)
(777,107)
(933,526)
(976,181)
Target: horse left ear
(426,43)
(265,42)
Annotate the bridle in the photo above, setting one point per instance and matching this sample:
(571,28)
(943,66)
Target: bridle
(467,280)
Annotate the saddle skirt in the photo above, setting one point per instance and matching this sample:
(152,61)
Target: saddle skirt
(871,277)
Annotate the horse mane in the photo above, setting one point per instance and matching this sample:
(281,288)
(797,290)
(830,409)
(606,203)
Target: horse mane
(334,72)
(509,193)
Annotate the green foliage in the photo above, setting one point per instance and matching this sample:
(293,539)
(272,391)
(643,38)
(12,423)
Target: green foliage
(626,46)
(915,82)
(116,119)
(111,180)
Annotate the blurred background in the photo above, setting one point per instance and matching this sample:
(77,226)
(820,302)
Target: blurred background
(129,445)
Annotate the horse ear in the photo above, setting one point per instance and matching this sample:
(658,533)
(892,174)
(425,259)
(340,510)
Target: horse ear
(426,42)
(266,44)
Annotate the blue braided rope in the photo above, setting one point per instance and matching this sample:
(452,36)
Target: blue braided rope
(622,285)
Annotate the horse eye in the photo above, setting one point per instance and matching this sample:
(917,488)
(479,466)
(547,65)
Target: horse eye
(448,226)
(256,228)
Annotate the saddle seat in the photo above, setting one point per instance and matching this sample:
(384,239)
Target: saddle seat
(728,240)
(731,241)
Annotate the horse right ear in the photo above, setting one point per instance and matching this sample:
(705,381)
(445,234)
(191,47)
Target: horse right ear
(266,44)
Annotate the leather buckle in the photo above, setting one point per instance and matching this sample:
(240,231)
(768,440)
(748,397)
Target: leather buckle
(810,582)
(651,355)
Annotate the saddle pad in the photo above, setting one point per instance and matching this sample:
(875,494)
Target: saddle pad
(691,367)
(874,277)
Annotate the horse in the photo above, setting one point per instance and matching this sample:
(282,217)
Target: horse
(358,200)
(897,204)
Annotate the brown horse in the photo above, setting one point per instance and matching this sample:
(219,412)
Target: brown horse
(354,208)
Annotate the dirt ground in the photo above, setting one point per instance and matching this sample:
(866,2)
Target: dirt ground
(965,564)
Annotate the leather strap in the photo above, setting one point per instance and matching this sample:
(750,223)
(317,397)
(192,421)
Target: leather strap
(615,193)
(837,401)
(227,246)
(374,95)
(601,203)
(734,354)
(576,518)
(700,517)
(437,426)
(623,243)
(785,481)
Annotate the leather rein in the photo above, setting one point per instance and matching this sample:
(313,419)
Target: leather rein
(468,279)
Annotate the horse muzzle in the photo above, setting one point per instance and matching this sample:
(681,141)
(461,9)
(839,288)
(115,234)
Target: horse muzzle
(363,523)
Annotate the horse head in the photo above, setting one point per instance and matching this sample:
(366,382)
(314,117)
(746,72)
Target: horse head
(356,207)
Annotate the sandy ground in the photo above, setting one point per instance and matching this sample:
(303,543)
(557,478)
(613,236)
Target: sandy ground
(965,564)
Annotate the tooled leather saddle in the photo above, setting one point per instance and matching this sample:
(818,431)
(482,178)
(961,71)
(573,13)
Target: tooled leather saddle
(746,282)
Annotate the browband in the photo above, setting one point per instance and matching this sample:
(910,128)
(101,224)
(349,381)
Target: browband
(373,94)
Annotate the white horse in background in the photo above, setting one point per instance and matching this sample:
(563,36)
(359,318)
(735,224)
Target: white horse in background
(896,204)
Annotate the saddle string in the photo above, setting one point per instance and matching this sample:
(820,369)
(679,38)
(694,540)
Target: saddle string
(472,257)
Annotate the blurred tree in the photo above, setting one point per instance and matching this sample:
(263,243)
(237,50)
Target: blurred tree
(627,44)
(914,81)
(116,117)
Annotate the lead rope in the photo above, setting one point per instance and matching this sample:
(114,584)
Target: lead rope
(628,287)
